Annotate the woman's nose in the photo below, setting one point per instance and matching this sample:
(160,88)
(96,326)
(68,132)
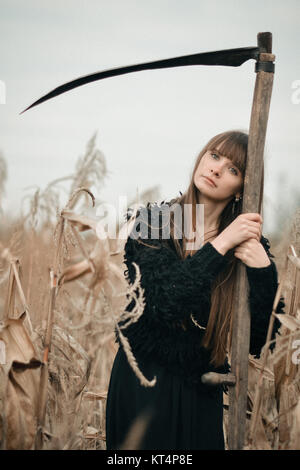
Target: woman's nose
(216,171)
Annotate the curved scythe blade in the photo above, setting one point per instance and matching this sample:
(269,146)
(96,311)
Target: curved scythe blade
(227,57)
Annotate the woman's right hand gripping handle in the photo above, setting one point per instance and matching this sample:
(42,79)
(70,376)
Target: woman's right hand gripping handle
(245,226)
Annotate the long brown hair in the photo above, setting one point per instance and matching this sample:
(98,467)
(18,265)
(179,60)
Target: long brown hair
(233,145)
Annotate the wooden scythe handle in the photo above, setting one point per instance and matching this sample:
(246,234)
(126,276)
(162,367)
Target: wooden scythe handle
(252,199)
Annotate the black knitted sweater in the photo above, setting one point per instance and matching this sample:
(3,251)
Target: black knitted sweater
(175,288)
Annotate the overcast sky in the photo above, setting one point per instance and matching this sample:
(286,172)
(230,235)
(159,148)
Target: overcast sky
(151,124)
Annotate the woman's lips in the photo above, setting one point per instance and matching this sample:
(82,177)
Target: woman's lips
(210,181)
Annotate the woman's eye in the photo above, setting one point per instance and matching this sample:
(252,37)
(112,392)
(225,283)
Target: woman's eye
(232,168)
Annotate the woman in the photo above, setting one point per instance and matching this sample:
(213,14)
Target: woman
(186,327)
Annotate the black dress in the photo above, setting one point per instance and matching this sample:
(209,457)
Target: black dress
(179,412)
(179,416)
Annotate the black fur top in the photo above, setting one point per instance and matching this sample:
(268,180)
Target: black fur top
(174,289)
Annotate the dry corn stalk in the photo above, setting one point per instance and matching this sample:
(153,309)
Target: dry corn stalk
(106,267)
(259,388)
(286,373)
(54,274)
(288,382)
(19,364)
(286,367)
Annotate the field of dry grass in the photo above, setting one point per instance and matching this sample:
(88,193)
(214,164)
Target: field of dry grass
(61,291)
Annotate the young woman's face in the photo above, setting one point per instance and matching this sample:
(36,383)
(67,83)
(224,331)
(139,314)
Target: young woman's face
(227,178)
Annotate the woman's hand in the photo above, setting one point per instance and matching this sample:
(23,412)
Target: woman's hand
(252,253)
(244,227)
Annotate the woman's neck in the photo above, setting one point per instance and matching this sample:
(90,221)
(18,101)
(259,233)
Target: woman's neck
(212,212)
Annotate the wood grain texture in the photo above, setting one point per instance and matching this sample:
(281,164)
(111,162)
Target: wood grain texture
(251,203)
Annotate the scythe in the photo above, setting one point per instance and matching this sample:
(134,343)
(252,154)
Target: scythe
(252,197)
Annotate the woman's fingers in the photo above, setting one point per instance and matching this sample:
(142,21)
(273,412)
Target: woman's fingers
(254,216)
(255,227)
(251,223)
(256,234)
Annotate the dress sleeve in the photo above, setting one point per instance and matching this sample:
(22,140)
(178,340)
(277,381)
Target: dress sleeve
(263,283)
(173,287)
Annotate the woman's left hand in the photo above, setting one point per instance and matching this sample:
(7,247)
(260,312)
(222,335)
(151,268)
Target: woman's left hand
(252,253)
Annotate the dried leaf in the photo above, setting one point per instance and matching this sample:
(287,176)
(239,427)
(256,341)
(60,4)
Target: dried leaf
(267,372)
(75,271)
(20,390)
(95,396)
(83,222)
(288,321)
